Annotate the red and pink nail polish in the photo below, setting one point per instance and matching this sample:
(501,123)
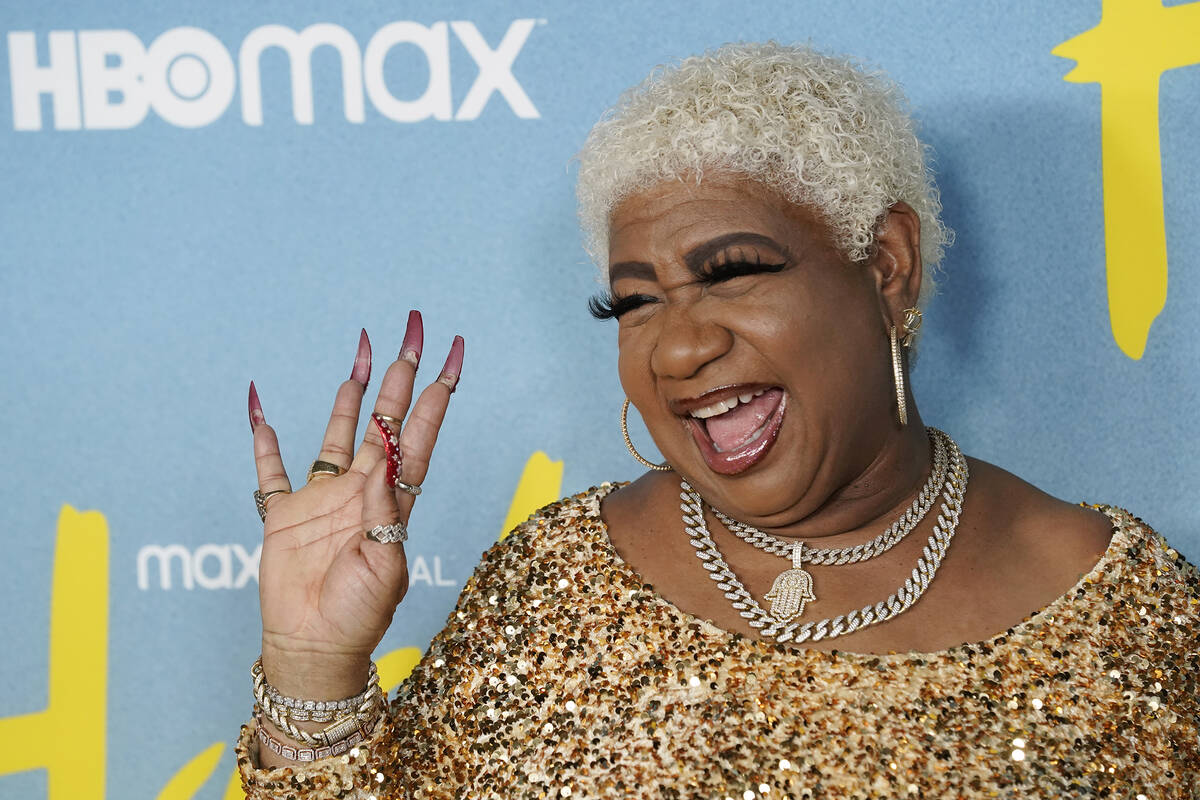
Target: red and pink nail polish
(362,360)
(414,339)
(255,408)
(452,370)
(391,449)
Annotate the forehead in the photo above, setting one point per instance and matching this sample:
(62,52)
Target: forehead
(674,216)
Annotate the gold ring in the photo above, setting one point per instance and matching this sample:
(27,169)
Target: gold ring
(388,420)
(261,498)
(320,467)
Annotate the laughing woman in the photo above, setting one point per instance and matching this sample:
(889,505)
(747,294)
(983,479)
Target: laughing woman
(815,596)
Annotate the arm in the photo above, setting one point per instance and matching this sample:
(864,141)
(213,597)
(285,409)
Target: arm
(424,742)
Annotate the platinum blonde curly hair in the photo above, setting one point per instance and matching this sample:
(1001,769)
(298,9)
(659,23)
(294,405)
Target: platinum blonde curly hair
(817,128)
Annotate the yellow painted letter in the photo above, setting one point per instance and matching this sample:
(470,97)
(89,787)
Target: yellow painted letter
(68,737)
(1135,42)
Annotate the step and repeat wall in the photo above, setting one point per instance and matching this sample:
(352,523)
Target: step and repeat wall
(196,195)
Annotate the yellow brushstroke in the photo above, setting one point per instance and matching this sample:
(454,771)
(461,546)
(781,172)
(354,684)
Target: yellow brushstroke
(541,482)
(68,737)
(1135,42)
(233,789)
(193,775)
(396,665)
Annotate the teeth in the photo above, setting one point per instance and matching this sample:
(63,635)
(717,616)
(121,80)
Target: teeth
(721,406)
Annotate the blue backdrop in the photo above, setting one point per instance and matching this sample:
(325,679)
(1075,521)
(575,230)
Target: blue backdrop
(175,225)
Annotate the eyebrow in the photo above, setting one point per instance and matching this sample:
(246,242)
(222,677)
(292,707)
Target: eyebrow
(631,269)
(697,257)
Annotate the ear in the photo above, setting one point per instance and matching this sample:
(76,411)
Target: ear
(896,265)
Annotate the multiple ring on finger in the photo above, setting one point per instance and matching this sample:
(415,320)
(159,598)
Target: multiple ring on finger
(391,533)
(391,450)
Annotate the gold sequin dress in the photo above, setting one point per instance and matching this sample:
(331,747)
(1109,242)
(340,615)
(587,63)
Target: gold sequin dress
(560,675)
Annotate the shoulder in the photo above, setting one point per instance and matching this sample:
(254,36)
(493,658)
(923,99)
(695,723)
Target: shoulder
(1056,545)
(548,533)
(1143,559)
(1018,520)
(564,517)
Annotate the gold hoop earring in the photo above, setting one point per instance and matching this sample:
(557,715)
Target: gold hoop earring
(629,442)
(898,377)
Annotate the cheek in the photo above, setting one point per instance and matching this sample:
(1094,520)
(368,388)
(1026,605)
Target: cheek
(633,365)
(830,351)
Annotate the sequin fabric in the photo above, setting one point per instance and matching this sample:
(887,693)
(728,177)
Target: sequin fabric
(560,675)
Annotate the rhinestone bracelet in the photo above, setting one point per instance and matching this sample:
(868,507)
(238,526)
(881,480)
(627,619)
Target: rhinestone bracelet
(347,721)
(293,753)
(309,710)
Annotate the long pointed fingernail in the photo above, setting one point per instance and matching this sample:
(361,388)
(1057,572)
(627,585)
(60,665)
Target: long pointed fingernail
(362,360)
(452,371)
(414,339)
(255,408)
(391,449)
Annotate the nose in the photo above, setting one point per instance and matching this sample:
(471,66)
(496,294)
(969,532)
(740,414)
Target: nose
(687,341)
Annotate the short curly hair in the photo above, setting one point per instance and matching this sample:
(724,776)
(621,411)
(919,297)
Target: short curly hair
(818,128)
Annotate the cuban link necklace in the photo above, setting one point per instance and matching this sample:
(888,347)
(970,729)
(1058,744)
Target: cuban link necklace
(796,590)
(794,587)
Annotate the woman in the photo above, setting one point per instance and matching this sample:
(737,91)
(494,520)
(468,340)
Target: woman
(817,597)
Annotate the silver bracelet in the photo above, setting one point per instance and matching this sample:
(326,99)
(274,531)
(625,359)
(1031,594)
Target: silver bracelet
(310,710)
(349,716)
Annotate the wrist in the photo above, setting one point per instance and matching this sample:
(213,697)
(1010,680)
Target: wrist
(315,675)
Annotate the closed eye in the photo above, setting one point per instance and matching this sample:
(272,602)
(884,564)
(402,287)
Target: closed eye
(605,306)
(735,269)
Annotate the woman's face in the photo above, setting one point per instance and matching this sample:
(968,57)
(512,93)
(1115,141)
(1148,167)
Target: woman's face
(757,355)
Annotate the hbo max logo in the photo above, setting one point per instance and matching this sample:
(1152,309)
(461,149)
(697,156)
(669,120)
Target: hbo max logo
(109,79)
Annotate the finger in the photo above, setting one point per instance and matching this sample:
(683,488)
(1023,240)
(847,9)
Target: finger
(379,501)
(338,445)
(391,448)
(395,392)
(386,561)
(420,431)
(267,461)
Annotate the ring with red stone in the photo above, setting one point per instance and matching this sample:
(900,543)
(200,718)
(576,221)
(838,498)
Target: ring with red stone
(391,448)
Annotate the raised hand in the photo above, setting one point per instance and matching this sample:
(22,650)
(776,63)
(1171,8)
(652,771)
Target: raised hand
(327,591)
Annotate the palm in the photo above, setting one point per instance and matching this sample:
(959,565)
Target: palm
(318,584)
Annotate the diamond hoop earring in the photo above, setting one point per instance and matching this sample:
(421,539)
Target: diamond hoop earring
(898,377)
(629,442)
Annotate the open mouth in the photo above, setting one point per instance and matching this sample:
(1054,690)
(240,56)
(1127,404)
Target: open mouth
(736,431)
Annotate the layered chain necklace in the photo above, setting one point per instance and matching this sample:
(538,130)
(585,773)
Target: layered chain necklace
(793,589)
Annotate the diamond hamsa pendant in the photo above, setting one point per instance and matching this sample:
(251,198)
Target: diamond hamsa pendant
(792,589)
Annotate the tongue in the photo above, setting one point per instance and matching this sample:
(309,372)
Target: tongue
(735,427)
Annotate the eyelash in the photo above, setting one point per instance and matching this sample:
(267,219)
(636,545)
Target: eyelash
(605,306)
